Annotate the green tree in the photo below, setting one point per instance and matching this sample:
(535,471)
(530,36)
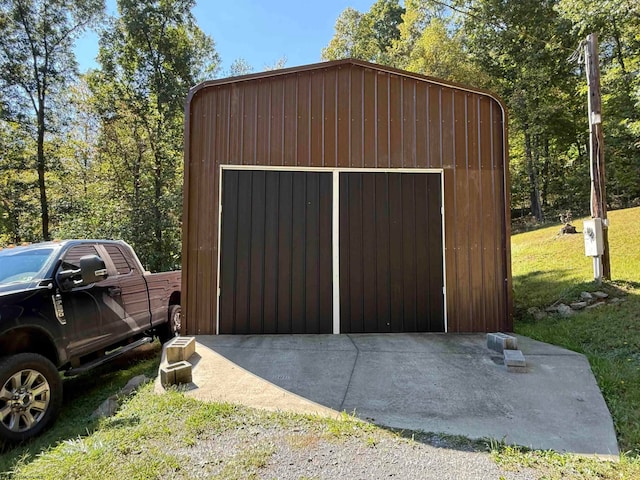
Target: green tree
(522,45)
(37,62)
(367,36)
(149,56)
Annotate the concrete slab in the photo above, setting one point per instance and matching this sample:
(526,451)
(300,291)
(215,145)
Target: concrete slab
(432,382)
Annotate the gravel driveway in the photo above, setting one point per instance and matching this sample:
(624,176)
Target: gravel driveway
(277,452)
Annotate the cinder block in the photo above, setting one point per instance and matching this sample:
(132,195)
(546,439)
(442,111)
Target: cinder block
(180,348)
(176,373)
(514,358)
(501,341)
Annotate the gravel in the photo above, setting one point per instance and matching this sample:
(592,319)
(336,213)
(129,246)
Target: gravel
(280,452)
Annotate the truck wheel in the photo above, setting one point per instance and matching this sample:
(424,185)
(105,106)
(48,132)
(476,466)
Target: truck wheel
(172,327)
(30,395)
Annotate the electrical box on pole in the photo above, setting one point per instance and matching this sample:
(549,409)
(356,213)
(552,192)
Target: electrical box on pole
(601,263)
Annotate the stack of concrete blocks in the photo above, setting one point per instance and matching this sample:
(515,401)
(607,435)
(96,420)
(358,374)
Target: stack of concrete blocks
(176,369)
(507,345)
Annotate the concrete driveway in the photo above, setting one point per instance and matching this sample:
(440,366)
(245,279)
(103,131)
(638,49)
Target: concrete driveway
(431,382)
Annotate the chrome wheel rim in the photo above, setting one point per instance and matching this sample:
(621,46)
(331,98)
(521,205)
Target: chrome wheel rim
(24,400)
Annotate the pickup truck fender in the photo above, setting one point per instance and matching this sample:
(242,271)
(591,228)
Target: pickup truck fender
(32,334)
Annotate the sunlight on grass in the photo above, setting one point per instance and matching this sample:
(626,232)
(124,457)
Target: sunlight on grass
(548,268)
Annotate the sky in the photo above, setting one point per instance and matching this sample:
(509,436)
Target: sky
(261,32)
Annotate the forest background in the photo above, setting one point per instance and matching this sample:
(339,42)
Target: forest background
(100,154)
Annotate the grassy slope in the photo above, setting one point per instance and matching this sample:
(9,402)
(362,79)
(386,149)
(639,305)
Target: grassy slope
(548,268)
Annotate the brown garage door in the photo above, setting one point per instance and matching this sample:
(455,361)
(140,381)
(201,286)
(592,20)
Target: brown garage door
(391,275)
(275,267)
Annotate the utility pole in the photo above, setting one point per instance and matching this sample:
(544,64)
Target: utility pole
(601,264)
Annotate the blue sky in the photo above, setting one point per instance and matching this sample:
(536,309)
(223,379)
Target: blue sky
(261,32)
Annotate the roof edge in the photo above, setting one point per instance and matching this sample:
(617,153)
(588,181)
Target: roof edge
(347,61)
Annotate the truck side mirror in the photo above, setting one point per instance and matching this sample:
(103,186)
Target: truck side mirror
(92,269)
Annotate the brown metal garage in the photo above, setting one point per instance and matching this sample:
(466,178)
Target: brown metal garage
(318,199)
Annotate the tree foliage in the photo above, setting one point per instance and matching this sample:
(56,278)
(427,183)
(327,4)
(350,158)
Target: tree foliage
(36,63)
(150,56)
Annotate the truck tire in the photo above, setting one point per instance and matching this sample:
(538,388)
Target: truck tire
(30,396)
(172,328)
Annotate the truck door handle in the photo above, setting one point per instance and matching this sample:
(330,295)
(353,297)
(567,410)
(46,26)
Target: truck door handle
(114,291)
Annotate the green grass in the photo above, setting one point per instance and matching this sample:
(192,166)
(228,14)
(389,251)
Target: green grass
(549,269)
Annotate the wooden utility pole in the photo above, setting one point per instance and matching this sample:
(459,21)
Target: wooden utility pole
(596,141)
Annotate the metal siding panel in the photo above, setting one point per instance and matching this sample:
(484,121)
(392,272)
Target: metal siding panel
(382,118)
(488,216)
(257,251)
(396,158)
(285,249)
(369,123)
(383,256)
(290,132)
(475,215)
(359,102)
(409,121)
(326,254)
(368,250)
(271,248)
(250,126)
(228,267)
(303,157)
(263,123)
(395,252)
(316,131)
(408,254)
(277,123)
(461,217)
(448,122)
(330,119)
(343,126)
(421,128)
(435,127)
(312,255)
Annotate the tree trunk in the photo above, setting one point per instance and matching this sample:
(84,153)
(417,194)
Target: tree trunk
(545,174)
(44,206)
(534,192)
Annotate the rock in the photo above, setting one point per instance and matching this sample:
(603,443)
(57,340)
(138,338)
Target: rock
(565,310)
(600,295)
(133,384)
(110,406)
(551,309)
(539,315)
(586,296)
(615,300)
(107,408)
(595,305)
(578,305)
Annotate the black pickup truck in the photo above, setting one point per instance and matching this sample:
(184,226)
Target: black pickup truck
(71,306)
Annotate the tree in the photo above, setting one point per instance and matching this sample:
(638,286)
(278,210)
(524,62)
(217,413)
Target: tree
(367,36)
(150,56)
(239,67)
(522,45)
(36,62)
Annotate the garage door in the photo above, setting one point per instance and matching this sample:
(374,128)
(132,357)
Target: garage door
(276,260)
(276,255)
(391,275)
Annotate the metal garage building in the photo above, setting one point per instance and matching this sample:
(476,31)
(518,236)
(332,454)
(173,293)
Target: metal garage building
(345,197)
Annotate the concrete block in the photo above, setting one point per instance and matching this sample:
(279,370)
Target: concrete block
(501,341)
(517,369)
(514,358)
(176,373)
(180,349)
